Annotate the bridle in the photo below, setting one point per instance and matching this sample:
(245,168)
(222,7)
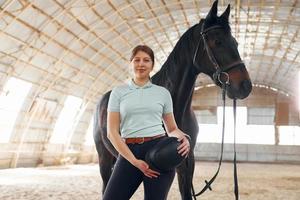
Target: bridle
(224,83)
(218,69)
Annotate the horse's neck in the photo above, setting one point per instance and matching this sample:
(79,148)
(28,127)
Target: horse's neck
(178,74)
(182,93)
(179,78)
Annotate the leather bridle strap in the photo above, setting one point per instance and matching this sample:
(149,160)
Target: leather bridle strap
(213,60)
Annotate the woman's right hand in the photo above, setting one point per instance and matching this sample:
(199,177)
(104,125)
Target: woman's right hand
(144,167)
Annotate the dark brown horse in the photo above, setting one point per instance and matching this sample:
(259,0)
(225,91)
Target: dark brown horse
(207,47)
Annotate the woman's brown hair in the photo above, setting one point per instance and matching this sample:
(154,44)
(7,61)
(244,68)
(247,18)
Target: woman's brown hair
(143,48)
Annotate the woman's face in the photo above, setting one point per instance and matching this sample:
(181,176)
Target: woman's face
(142,65)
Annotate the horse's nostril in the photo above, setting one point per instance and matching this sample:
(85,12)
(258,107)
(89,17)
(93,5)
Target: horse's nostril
(247,85)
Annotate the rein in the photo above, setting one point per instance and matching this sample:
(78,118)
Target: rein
(217,78)
(209,183)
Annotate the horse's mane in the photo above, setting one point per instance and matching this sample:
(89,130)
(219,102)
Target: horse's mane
(185,40)
(178,56)
(176,60)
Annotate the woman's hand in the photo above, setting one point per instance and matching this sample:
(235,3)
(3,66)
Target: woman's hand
(144,167)
(174,131)
(184,147)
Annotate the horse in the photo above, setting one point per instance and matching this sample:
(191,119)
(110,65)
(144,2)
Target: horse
(207,47)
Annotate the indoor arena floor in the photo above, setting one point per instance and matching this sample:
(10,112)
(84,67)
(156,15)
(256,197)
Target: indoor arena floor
(76,182)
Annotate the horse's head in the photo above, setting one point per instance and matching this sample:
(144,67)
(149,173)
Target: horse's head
(218,51)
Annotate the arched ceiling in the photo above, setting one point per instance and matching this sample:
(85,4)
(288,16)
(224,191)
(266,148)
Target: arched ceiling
(81,47)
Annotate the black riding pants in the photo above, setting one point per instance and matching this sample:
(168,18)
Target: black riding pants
(126,178)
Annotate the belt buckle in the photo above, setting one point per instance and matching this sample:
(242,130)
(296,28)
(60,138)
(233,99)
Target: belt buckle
(142,141)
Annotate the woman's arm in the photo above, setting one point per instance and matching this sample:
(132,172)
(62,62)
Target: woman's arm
(113,129)
(174,131)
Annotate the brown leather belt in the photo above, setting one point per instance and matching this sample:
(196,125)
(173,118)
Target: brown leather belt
(141,140)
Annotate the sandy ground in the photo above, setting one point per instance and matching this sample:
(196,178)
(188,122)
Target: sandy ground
(76,182)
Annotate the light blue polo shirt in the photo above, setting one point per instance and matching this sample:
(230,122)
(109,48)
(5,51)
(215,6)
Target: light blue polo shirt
(141,108)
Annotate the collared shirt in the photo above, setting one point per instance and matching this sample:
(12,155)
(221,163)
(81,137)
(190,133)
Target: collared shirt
(141,108)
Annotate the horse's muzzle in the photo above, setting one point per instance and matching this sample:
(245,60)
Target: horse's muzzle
(241,92)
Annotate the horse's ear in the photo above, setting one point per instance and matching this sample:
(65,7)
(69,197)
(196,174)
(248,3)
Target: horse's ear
(213,11)
(226,13)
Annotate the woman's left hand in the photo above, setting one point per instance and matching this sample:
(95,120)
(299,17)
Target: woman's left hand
(184,147)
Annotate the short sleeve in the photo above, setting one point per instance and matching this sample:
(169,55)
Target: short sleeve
(168,104)
(114,101)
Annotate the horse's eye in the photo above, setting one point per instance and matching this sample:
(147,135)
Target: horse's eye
(218,42)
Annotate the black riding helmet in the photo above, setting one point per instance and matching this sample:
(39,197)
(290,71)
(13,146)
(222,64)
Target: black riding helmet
(164,156)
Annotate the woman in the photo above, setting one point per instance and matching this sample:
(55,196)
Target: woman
(137,110)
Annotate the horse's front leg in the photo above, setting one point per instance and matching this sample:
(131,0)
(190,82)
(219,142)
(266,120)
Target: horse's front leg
(106,163)
(185,176)
(105,158)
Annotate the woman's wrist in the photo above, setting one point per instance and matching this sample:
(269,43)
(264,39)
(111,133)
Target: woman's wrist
(188,137)
(134,161)
(178,133)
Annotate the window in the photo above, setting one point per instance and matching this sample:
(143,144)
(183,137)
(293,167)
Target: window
(89,139)
(207,116)
(258,134)
(213,132)
(261,116)
(209,133)
(241,117)
(245,134)
(65,122)
(289,135)
(11,100)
